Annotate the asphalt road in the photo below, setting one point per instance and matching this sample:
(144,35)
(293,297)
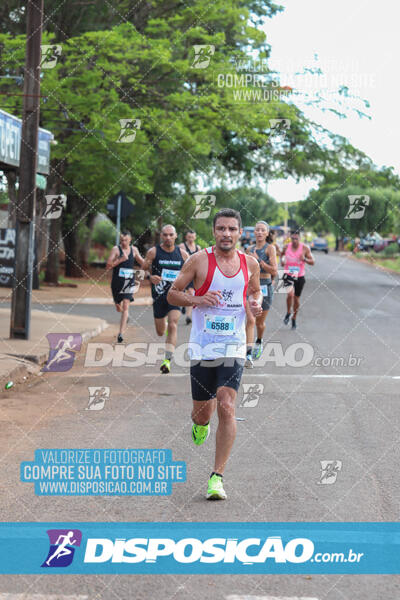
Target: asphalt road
(334,399)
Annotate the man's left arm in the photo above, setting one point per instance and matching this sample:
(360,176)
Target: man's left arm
(255,295)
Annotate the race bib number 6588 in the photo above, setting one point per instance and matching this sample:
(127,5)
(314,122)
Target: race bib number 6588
(219,324)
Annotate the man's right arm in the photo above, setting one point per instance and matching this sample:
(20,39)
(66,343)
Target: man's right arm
(146,266)
(113,259)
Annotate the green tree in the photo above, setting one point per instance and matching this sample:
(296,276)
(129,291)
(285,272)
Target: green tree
(190,127)
(336,186)
(352,213)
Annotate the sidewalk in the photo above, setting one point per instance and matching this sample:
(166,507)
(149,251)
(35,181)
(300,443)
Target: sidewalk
(85,292)
(20,358)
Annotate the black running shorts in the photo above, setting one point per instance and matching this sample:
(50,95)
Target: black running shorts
(161,307)
(117,297)
(298,286)
(207,376)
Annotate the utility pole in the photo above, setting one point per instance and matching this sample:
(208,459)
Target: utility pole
(25,208)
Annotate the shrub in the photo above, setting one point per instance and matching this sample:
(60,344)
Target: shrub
(390,250)
(104,233)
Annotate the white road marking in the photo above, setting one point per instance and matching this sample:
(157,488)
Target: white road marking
(11,596)
(247,597)
(86,374)
(289,375)
(336,376)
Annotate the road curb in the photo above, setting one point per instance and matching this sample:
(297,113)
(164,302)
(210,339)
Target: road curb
(364,261)
(144,301)
(30,364)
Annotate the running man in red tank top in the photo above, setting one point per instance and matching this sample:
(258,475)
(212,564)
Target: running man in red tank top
(294,258)
(221,275)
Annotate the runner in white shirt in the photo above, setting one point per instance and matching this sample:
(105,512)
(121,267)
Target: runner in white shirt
(221,277)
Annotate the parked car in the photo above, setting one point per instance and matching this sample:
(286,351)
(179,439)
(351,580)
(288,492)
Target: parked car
(383,243)
(319,244)
(248,237)
(369,241)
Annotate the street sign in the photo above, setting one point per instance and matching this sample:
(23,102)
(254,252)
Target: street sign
(7,256)
(10,143)
(41,181)
(127,207)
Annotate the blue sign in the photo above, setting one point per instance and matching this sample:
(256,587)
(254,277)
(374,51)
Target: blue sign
(103,472)
(10,143)
(200,548)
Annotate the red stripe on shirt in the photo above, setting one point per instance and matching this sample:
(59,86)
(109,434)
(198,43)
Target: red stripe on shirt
(212,263)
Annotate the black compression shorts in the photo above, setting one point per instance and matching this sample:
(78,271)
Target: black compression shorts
(207,376)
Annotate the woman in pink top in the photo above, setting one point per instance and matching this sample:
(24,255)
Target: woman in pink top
(294,257)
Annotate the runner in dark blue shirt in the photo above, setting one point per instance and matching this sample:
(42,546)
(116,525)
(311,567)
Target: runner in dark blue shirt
(121,260)
(164,262)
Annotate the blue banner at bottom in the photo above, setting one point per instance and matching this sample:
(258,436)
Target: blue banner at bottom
(200,548)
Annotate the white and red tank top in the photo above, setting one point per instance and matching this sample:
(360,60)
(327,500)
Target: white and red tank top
(294,265)
(220,331)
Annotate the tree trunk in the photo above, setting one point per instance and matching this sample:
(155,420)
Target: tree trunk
(11,177)
(87,242)
(53,263)
(72,219)
(71,244)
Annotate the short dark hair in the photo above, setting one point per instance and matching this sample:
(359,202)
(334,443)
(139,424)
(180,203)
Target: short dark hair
(295,232)
(189,231)
(228,212)
(126,232)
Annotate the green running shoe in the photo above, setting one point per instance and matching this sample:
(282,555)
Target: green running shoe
(165,366)
(249,362)
(200,433)
(257,350)
(215,489)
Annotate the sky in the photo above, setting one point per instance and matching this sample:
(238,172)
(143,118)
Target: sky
(358,44)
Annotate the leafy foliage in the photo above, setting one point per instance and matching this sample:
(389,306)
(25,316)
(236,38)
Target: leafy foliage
(121,60)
